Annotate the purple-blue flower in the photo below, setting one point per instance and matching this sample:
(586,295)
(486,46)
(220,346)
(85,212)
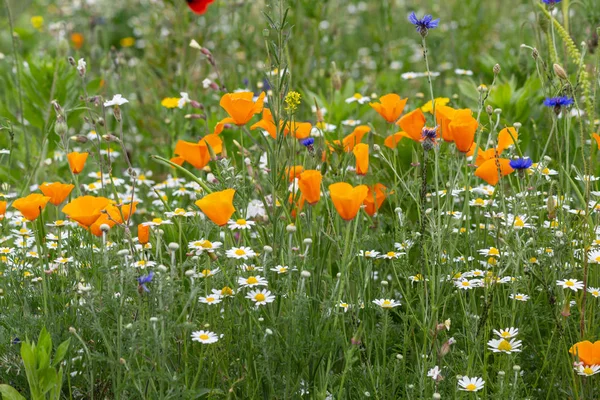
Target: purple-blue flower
(307,142)
(429,133)
(424,24)
(520,163)
(551,2)
(142,280)
(557,102)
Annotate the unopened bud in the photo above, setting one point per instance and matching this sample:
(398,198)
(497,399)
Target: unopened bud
(560,72)
(489,109)
(105,228)
(496,69)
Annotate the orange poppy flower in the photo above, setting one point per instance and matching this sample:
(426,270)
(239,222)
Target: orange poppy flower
(57,191)
(375,197)
(77,161)
(361,153)
(197,154)
(241,108)
(77,40)
(443,116)
(293,172)
(309,183)
(86,209)
(506,138)
(112,215)
(300,130)
(31,206)
(588,352)
(412,124)
(2,209)
(266,123)
(489,171)
(143,233)
(462,129)
(390,108)
(218,206)
(393,140)
(597,139)
(347,199)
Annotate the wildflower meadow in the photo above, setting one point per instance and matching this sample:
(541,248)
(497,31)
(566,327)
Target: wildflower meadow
(299,199)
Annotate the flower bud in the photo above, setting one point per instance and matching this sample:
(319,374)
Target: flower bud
(496,69)
(560,72)
(173,246)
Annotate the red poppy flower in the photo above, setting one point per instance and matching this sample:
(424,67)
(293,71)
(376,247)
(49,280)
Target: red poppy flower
(199,6)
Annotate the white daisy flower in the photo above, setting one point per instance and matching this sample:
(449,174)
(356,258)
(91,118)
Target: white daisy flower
(205,337)
(252,281)
(471,384)
(572,284)
(504,346)
(387,303)
(260,297)
(242,253)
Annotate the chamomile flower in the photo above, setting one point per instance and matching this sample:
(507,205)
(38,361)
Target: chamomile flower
(204,245)
(470,384)
(358,98)
(158,222)
(282,269)
(260,297)
(507,333)
(143,264)
(387,303)
(585,370)
(368,253)
(252,281)
(210,299)
(205,337)
(572,284)
(226,291)
(594,291)
(179,212)
(491,252)
(519,297)
(391,255)
(240,253)
(240,224)
(465,284)
(205,273)
(504,346)
(345,306)
(63,260)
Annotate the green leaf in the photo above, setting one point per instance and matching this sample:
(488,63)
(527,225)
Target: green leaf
(61,351)
(10,393)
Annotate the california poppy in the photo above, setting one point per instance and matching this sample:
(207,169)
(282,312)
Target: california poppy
(112,215)
(32,205)
(86,209)
(588,352)
(393,140)
(2,209)
(266,123)
(443,116)
(347,199)
(77,161)
(241,108)
(300,130)
(199,6)
(293,172)
(57,191)
(493,169)
(506,138)
(198,154)
(309,183)
(77,40)
(361,153)
(143,233)
(597,139)
(375,197)
(390,108)
(218,206)
(462,129)
(412,124)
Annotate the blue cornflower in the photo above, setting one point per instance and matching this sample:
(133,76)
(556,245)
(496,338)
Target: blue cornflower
(551,2)
(308,142)
(557,102)
(142,280)
(424,24)
(520,163)
(429,133)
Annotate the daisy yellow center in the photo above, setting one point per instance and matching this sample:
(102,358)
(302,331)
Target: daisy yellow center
(142,262)
(59,222)
(479,202)
(259,297)
(519,222)
(252,280)
(595,293)
(386,303)
(505,345)
(492,260)
(457,275)
(204,336)
(5,251)
(23,230)
(545,171)
(519,297)
(463,230)
(240,252)
(92,186)
(226,291)
(321,125)
(157,220)
(357,96)
(206,244)
(241,222)
(179,211)
(391,254)
(210,299)
(466,283)
(597,259)
(569,283)
(549,251)
(471,387)
(588,371)
(418,277)
(206,272)
(494,252)
(345,305)
(142,177)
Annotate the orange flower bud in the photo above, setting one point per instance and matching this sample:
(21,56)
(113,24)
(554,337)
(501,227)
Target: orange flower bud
(361,153)
(143,233)
(309,183)
(77,161)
